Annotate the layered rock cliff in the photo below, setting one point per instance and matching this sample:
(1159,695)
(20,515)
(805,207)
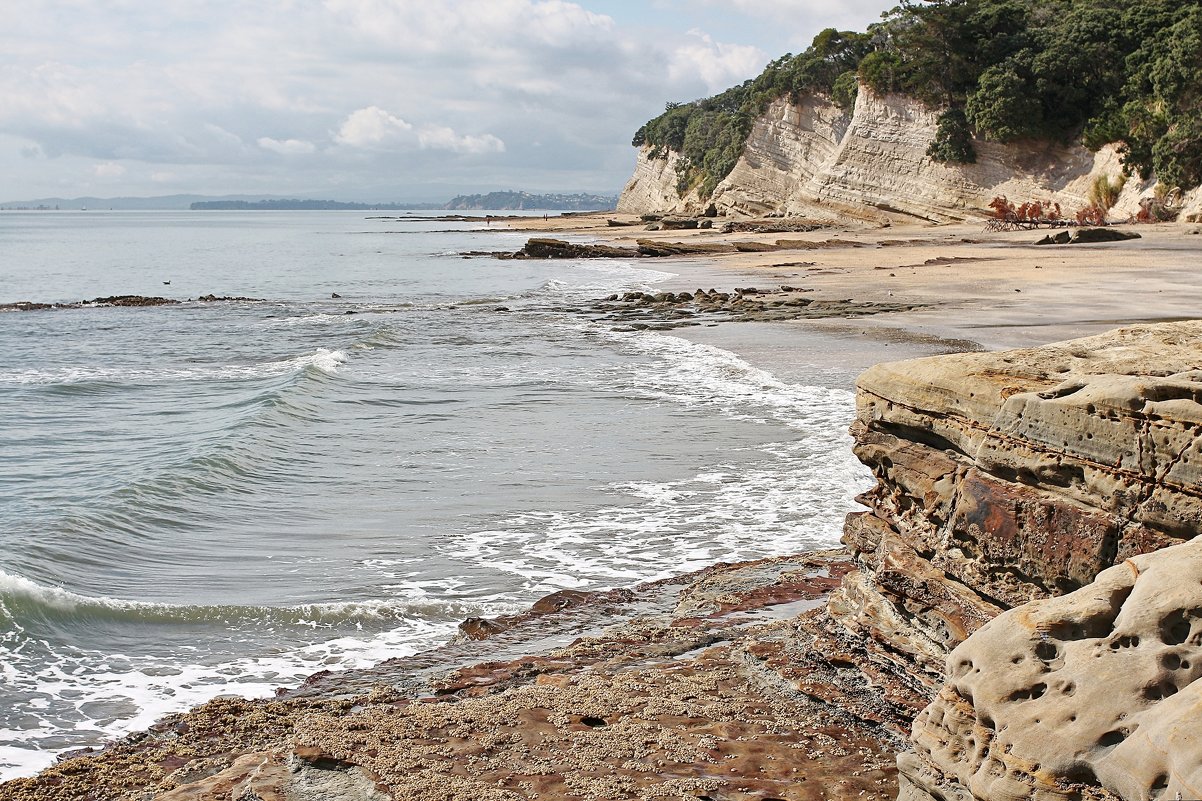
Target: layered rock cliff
(813,159)
(1038,476)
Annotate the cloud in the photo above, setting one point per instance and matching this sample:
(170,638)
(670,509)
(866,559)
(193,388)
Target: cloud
(370,127)
(440,138)
(718,65)
(294,95)
(108,169)
(373,127)
(286,147)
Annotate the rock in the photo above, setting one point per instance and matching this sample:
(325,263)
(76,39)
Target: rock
(1084,236)
(706,224)
(1058,238)
(335,295)
(653,248)
(813,159)
(1005,479)
(678,223)
(654,227)
(1097,689)
(542,248)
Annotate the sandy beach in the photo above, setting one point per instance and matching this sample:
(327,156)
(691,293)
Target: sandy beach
(973,289)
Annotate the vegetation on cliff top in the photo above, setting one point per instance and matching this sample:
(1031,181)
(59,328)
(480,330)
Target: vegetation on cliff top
(1006,70)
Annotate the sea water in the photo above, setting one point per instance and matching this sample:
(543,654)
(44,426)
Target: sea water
(213,498)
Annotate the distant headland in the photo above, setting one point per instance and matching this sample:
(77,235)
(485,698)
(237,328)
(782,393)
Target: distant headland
(492,201)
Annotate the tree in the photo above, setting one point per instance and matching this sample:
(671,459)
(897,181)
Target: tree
(953,139)
(1004,106)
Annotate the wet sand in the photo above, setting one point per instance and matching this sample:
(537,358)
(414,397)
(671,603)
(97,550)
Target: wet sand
(974,289)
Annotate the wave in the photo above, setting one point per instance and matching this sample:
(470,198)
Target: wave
(24,602)
(322,359)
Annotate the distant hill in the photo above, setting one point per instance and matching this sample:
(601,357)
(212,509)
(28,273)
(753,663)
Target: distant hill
(296,204)
(493,201)
(524,200)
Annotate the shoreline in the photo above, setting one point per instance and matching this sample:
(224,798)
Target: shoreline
(715,621)
(992,290)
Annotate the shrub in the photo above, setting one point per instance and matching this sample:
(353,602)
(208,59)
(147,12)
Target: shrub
(1104,193)
(953,139)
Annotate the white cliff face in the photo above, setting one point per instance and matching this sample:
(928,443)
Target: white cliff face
(816,160)
(652,188)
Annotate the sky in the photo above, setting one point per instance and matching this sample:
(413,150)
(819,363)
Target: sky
(372,100)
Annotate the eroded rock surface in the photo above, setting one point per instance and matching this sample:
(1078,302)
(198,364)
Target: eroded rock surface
(722,684)
(1082,696)
(1047,475)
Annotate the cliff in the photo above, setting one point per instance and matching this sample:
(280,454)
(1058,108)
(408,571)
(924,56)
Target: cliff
(1029,483)
(813,159)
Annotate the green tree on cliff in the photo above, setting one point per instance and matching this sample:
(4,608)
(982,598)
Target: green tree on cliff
(1059,70)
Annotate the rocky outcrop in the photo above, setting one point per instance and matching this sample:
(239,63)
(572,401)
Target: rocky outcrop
(721,684)
(813,159)
(1091,695)
(1017,495)
(1018,615)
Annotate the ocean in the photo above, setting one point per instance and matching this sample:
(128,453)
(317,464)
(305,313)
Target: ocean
(223,498)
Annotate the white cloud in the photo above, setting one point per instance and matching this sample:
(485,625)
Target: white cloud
(375,128)
(367,91)
(441,138)
(108,169)
(163,176)
(286,147)
(719,65)
(370,127)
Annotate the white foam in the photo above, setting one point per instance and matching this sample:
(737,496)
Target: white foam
(323,359)
(767,499)
(144,689)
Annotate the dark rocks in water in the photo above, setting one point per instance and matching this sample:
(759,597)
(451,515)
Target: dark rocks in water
(335,296)
(479,628)
(502,309)
(130,300)
(662,311)
(121,301)
(28,305)
(230,298)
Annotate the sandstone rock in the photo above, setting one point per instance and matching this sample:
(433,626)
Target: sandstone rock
(1054,476)
(1096,690)
(649,247)
(542,248)
(813,159)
